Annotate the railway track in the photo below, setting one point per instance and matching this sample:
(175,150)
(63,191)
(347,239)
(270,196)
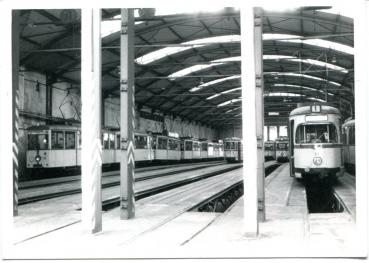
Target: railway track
(112,183)
(69,179)
(113,202)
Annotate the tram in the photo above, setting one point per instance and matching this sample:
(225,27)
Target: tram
(315,142)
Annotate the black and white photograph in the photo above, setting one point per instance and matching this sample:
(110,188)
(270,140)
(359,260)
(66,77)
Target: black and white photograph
(196,130)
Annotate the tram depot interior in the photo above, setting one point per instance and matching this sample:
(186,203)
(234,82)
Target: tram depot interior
(166,101)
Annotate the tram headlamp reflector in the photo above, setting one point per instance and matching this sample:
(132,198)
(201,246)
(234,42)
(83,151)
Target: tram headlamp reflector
(317,161)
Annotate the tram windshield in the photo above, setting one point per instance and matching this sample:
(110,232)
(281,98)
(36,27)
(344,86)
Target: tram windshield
(38,141)
(316,133)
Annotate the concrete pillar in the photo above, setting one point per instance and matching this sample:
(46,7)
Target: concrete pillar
(249,125)
(91,119)
(259,101)
(361,40)
(15,102)
(127,115)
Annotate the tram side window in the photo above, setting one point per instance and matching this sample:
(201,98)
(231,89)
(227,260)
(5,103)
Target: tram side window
(204,147)
(111,141)
(118,141)
(316,133)
(70,140)
(228,145)
(106,140)
(140,142)
(188,146)
(233,146)
(162,144)
(38,141)
(351,136)
(195,146)
(57,140)
(173,145)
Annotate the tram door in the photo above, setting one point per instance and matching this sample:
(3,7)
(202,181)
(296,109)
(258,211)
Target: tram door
(292,156)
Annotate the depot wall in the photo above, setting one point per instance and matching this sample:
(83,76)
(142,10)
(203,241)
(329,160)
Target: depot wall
(147,121)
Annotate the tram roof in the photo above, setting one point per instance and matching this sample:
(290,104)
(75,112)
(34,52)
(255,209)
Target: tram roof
(201,81)
(307,110)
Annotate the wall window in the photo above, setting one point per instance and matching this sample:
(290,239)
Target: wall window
(283,131)
(57,140)
(272,133)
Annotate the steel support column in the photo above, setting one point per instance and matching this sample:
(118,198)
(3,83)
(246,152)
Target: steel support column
(127,115)
(268,131)
(15,102)
(249,125)
(91,120)
(49,95)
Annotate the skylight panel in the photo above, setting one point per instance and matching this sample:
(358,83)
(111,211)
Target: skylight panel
(302,87)
(189,70)
(316,99)
(213,82)
(230,90)
(228,102)
(197,43)
(301,75)
(223,92)
(282,94)
(313,42)
(228,111)
(230,59)
(213,96)
(307,61)
(277,57)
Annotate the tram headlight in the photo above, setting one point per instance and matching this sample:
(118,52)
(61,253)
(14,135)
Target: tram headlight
(38,158)
(317,161)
